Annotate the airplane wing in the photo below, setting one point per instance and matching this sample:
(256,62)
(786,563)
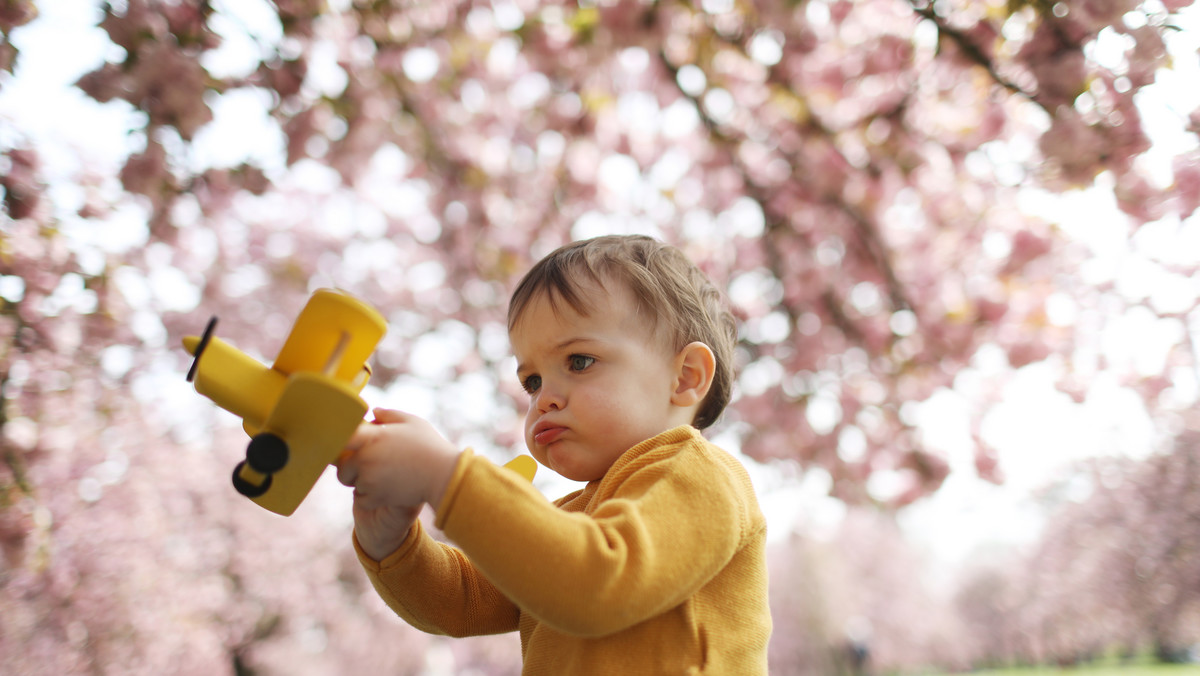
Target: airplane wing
(315,416)
(524,465)
(335,332)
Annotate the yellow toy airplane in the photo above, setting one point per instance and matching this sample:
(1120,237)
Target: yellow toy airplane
(301,411)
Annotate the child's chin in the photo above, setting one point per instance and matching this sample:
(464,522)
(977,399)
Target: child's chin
(568,470)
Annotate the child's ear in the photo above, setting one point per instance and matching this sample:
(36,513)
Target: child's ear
(694,369)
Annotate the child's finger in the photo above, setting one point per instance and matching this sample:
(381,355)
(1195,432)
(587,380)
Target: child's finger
(387,415)
(347,466)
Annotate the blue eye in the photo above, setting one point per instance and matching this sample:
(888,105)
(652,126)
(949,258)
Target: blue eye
(579,362)
(531,384)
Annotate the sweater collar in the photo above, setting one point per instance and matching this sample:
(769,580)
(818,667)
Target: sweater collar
(671,437)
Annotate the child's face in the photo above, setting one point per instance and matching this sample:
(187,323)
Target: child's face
(598,384)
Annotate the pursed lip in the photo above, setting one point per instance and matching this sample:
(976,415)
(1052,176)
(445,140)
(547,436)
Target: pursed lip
(547,432)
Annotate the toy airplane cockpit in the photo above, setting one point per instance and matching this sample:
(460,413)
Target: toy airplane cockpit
(301,411)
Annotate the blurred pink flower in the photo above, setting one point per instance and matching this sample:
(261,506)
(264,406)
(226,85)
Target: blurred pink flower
(1136,197)
(170,86)
(21,183)
(1187,182)
(1074,148)
(1148,54)
(1026,247)
(106,83)
(147,172)
(1061,77)
(15,13)
(140,21)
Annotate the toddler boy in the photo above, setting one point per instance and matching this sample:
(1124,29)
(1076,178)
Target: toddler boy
(657,565)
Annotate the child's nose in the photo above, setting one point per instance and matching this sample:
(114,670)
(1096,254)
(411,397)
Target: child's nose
(549,398)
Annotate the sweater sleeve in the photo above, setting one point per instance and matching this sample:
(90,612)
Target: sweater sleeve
(434,587)
(669,526)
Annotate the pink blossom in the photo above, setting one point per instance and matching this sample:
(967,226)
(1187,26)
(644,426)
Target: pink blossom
(140,22)
(1075,149)
(1146,57)
(984,37)
(1187,183)
(1092,16)
(171,87)
(188,23)
(1027,352)
(1060,77)
(16,13)
(21,183)
(1026,247)
(1136,197)
(987,463)
(106,83)
(147,173)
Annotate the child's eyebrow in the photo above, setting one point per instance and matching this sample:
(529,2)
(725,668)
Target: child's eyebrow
(560,347)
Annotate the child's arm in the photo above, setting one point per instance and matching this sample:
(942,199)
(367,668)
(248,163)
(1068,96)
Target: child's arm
(665,529)
(395,466)
(433,587)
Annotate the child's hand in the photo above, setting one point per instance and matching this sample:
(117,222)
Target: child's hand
(395,465)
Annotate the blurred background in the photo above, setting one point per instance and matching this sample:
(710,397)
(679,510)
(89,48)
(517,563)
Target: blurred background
(959,236)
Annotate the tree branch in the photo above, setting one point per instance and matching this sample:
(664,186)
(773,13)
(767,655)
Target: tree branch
(973,52)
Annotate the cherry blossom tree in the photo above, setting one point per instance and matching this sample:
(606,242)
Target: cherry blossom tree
(848,173)
(862,587)
(1115,569)
(858,176)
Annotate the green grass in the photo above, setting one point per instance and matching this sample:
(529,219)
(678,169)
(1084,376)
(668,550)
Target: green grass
(1098,670)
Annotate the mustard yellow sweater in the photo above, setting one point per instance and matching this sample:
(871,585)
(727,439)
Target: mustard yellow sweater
(658,568)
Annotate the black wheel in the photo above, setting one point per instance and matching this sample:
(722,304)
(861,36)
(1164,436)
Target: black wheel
(204,338)
(245,487)
(267,453)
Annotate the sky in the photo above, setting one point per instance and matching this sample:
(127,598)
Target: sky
(1037,430)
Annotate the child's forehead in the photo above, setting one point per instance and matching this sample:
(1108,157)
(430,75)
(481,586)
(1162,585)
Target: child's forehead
(589,307)
(586,296)
(587,301)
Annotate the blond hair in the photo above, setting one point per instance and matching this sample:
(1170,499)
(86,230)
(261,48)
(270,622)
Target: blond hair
(674,292)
